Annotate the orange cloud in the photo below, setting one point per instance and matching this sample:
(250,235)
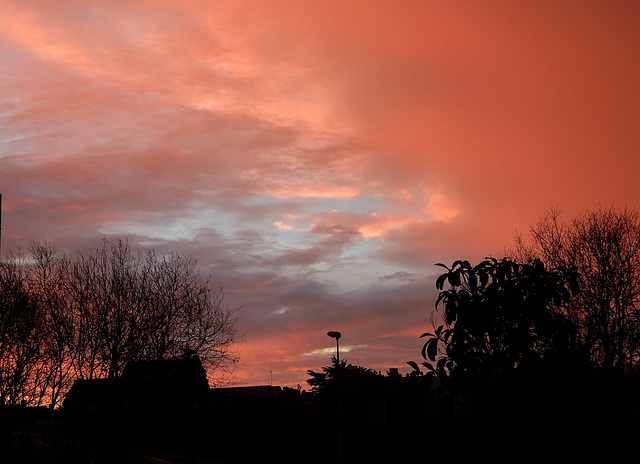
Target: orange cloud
(317,157)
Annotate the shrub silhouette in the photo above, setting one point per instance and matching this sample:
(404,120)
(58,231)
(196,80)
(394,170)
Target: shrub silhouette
(500,316)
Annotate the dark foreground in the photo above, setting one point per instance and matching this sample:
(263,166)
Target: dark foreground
(407,423)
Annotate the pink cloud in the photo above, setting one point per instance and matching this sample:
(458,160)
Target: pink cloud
(317,158)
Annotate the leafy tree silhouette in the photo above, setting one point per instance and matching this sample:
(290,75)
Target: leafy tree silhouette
(349,376)
(506,354)
(500,316)
(364,406)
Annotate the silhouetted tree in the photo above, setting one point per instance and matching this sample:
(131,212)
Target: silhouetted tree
(144,306)
(514,371)
(187,314)
(87,315)
(500,316)
(363,406)
(604,247)
(348,376)
(47,281)
(21,332)
(110,289)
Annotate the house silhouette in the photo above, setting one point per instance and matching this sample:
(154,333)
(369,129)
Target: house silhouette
(158,386)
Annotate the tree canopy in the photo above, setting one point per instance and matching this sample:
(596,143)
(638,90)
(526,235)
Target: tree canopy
(500,315)
(348,376)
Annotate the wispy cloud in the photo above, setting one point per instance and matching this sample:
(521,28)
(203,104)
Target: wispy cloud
(327,352)
(317,158)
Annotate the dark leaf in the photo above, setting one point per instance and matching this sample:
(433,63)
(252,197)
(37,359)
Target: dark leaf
(484,278)
(428,366)
(432,349)
(454,278)
(442,297)
(473,280)
(414,365)
(447,335)
(443,265)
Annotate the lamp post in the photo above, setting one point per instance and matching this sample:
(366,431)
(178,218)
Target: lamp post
(338,418)
(335,334)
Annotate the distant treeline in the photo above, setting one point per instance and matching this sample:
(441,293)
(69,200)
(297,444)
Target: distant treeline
(85,316)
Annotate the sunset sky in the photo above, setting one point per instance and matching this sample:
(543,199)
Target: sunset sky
(316,157)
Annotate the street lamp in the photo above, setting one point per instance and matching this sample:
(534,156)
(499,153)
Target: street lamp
(335,334)
(338,419)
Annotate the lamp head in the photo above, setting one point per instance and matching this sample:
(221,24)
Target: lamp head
(334,334)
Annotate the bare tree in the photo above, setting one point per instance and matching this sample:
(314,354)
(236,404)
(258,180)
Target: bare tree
(133,306)
(604,246)
(21,331)
(86,345)
(187,315)
(47,273)
(86,316)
